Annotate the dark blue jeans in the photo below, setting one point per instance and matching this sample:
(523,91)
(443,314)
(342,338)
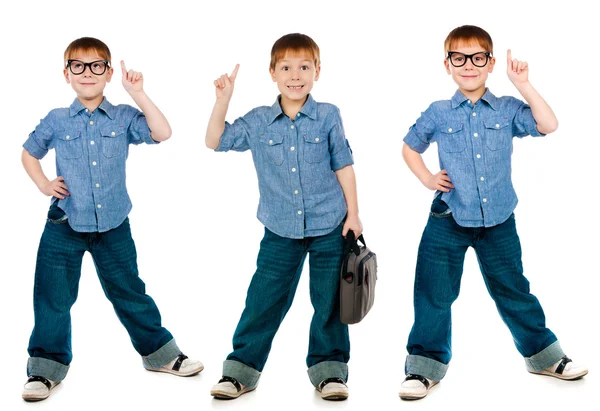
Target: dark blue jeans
(270,295)
(437,284)
(57,274)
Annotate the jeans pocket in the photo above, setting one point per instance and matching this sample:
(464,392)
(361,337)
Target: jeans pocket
(439,208)
(56,215)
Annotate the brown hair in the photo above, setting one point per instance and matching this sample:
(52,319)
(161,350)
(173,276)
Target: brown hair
(469,34)
(294,43)
(87,44)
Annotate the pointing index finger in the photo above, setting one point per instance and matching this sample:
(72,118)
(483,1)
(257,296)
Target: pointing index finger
(234,73)
(123,69)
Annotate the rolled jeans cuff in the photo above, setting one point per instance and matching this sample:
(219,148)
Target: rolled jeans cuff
(43,367)
(162,356)
(426,367)
(545,358)
(241,372)
(327,369)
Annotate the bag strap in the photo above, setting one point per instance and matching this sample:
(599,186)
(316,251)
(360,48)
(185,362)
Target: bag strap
(351,243)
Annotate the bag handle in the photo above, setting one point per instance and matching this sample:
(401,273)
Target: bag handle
(351,243)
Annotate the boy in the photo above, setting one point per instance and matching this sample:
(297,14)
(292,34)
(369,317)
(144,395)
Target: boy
(88,212)
(474,207)
(307,203)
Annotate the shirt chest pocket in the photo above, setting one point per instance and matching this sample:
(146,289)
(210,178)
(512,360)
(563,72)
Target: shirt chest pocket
(272,145)
(114,142)
(316,148)
(69,144)
(498,134)
(451,138)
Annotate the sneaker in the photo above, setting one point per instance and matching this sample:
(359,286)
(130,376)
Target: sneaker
(564,369)
(37,388)
(415,387)
(334,389)
(181,366)
(229,388)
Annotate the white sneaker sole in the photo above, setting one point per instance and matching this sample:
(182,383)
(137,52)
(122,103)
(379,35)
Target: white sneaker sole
(228,395)
(177,373)
(561,376)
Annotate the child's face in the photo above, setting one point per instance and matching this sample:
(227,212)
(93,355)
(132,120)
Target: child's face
(469,77)
(295,75)
(87,85)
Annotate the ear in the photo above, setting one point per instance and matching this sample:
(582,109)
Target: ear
(66,74)
(272,71)
(317,72)
(447,65)
(491,64)
(109,74)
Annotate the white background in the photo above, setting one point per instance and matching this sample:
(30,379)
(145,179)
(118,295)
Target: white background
(194,210)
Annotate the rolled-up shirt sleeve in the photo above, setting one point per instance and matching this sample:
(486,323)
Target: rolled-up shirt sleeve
(421,133)
(235,136)
(524,123)
(339,148)
(138,131)
(41,139)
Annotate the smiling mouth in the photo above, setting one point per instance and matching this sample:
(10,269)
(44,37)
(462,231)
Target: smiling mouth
(295,88)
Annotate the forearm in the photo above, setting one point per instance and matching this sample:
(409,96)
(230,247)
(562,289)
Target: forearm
(160,130)
(543,114)
(415,163)
(34,169)
(216,124)
(347,180)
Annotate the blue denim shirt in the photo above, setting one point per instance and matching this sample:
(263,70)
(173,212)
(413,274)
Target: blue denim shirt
(475,147)
(295,161)
(91,150)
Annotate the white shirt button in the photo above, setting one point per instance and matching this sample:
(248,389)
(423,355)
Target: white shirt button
(112,134)
(91,123)
(292,126)
(293,170)
(317,139)
(475,135)
(93,163)
(295,191)
(469,101)
(298,115)
(270,141)
(92,142)
(87,110)
(478,155)
(485,200)
(497,125)
(474,114)
(97,185)
(68,137)
(99,205)
(481,178)
(449,130)
(299,212)
(292,148)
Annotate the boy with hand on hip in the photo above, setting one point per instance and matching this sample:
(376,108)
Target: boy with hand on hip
(88,212)
(473,207)
(308,202)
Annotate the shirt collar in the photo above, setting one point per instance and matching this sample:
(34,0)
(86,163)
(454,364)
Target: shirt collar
(105,106)
(309,109)
(488,97)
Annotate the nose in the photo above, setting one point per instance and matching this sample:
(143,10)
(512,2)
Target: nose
(469,63)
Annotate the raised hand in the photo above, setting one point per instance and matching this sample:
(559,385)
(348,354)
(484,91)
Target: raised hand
(56,188)
(518,71)
(224,85)
(439,181)
(132,80)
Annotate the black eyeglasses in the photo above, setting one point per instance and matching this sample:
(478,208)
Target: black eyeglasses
(460,59)
(97,67)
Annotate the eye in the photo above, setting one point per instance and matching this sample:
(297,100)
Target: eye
(285,68)
(304,68)
(76,65)
(98,65)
